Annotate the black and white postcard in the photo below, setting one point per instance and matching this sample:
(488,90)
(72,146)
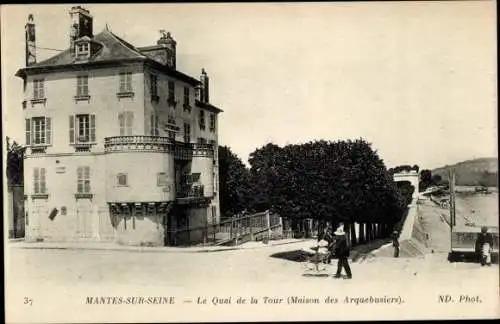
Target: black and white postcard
(222,162)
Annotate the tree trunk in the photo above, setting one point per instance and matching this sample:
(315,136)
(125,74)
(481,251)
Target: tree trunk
(362,230)
(353,233)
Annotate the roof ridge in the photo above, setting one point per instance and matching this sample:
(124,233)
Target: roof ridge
(129,46)
(52,57)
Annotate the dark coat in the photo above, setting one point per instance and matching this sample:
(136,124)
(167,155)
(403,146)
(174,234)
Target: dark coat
(483,238)
(341,248)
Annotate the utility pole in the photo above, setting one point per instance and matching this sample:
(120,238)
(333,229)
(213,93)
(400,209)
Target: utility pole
(452,204)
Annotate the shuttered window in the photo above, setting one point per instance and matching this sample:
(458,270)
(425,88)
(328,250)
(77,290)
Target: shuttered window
(187,133)
(202,119)
(38,131)
(212,122)
(28,131)
(82,129)
(71,129)
(171,90)
(186,96)
(155,131)
(154,84)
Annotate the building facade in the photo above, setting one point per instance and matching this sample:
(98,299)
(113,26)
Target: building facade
(121,146)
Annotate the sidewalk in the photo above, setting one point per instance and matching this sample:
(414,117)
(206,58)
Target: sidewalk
(109,246)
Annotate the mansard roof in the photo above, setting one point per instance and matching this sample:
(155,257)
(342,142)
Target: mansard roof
(111,49)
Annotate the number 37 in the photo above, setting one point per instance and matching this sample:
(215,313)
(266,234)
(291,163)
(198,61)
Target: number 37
(28,301)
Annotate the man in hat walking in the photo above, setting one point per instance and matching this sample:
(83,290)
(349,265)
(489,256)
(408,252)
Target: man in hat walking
(342,253)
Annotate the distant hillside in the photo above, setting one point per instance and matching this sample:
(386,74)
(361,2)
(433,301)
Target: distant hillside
(477,172)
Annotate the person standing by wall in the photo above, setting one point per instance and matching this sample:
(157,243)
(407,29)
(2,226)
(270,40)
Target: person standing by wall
(395,243)
(342,252)
(484,244)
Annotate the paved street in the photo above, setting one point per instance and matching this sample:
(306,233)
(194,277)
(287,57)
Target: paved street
(55,277)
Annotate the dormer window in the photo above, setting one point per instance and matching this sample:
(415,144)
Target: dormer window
(82,49)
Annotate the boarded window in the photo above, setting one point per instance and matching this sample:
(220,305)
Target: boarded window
(122,179)
(162,179)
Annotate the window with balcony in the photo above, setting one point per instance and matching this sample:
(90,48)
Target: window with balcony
(202,119)
(126,120)
(83,189)
(186,104)
(125,89)
(38,91)
(38,132)
(155,127)
(187,133)
(153,82)
(82,130)
(171,94)
(202,140)
(39,183)
(82,88)
(212,122)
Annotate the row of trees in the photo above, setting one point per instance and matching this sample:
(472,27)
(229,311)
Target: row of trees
(343,181)
(427,179)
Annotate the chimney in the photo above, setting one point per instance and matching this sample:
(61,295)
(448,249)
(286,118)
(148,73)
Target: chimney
(170,44)
(204,88)
(30,39)
(81,25)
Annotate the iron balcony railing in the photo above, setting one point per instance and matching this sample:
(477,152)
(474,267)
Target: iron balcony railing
(183,151)
(190,191)
(137,139)
(138,143)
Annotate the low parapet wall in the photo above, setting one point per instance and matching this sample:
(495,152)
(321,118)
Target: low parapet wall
(412,240)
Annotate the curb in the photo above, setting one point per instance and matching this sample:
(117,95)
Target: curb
(147,249)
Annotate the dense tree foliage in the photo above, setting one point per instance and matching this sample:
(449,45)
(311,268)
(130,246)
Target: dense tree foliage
(437,179)
(404,168)
(342,181)
(15,162)
(406,189)
(233,183)
(428,180)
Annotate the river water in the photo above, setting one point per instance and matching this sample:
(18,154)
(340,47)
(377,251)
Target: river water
(480,209)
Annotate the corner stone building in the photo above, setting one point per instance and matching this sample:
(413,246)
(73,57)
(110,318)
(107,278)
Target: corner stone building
(121,146)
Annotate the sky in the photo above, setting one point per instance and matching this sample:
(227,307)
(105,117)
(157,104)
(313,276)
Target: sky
(415,79)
